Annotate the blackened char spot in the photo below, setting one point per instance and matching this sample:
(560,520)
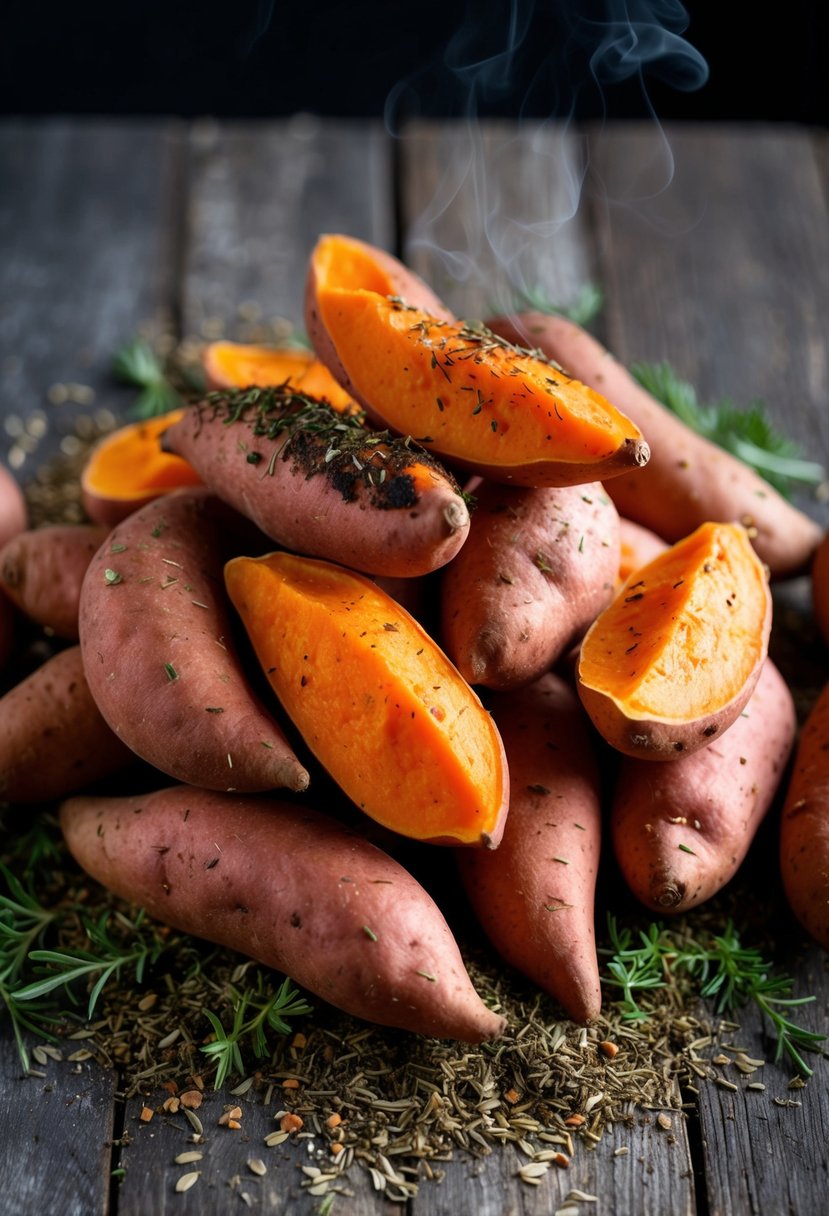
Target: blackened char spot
(399,491)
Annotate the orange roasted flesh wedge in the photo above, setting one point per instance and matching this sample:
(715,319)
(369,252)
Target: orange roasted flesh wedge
(127,469)
(472,398)
(242,365)
(374,698)
(672,661)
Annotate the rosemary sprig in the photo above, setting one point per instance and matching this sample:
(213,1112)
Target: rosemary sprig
(725,971)
(254,1013)
(583,310)
(136,363)
(746,433)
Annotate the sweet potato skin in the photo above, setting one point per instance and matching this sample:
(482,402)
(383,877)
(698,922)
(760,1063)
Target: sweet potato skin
(534,896)
(537,568)
(804,826)
(680,831)
(408,523)
(14,516)
(291,888)
(820,587)
(639,545)
(156,633)
(42,571)
(53,739)
(688,480)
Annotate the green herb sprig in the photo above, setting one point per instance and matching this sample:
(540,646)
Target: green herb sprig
(747,433)
(723,970)
(255,1012)
(136,363)
(583,309)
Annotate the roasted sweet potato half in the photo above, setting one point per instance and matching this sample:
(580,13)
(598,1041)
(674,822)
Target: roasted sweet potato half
(242,365)
(471,397)
(374,698)
(673,660)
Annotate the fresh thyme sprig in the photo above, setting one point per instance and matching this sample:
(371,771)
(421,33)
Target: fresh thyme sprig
(136,363)
(746,433)
(725,971)
(23,923)
(254,1013)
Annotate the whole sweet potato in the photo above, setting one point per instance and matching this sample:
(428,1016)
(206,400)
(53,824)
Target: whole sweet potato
(681,830)
(638,547)
(537,568)
(42,571)
(291,888)
(53,739)
(688,480)
(820,587)
(804,826)
(157,639)
(13,512)
(534,895)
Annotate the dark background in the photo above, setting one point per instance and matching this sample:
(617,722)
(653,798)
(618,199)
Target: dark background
(268,57)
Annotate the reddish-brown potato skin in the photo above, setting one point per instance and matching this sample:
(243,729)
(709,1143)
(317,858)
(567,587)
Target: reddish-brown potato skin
(536,569)
(688,480)
(291,888)
(42,570)
(804,826)
(13,512)
(638,547)
(309,514)
(53,739)
(820,587)
(534,896)
(680,831)
(156,633)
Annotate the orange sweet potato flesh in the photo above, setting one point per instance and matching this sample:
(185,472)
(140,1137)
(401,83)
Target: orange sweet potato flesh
(128,469)
(680,831)
(291,888)
(688,480)
(475,400)
(42,571)
(241,364)
(374,698)
(673,660)
(534,896)
(804,826)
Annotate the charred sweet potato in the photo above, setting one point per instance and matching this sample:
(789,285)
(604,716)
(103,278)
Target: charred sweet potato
(128,469)
(291,888)
(537,568)
(241,365)
(319,482)
(374,698)
(534,895)
(42,571)
(473,398)
(673,660)
(157,639)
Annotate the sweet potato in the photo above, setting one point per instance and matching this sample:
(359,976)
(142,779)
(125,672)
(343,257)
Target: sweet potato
(240,365)
(13,511)
(375,699)
(534,896)
(127,469)
(673,660)
(680,831)
(477,401)
(537,568)
(156,632)
(319,482)
(820,587)
(804,826)
(42,569)
(53,739)
(291,888)
(8,620)
(688,480)
(638,547)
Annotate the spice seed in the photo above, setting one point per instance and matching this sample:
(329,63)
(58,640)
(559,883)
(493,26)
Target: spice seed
(257,1166)
(187,1180)
(188,1158)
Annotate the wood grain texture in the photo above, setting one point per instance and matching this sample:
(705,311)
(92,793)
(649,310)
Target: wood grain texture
(57,1136)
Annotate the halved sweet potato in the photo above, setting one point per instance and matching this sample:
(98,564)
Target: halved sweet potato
(374,698)
(128,469)
(673,660)
(473,398)
(243,365)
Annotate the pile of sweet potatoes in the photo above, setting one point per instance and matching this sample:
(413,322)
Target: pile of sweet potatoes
(295,578)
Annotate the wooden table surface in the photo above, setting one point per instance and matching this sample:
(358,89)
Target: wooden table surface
(711,246)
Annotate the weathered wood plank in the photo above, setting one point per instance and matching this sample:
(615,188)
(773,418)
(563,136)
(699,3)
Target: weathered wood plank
(260,197)
(86,227)
(57,1136)
(490,211)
